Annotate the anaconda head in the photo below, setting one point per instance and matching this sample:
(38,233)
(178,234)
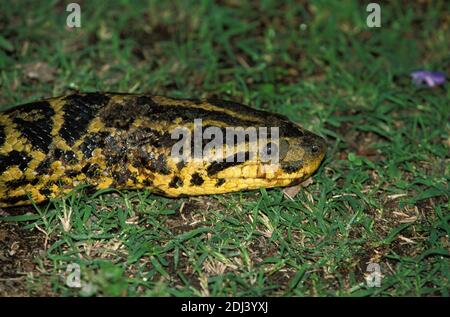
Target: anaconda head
(284,160)
(283,154)
(301,153)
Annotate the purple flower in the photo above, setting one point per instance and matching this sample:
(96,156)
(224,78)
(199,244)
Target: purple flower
(430,78)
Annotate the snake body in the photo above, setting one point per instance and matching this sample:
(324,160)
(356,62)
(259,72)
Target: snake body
(124,141)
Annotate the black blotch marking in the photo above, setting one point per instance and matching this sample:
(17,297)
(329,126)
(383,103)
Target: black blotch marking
(2,135)
(289,129)
(206,140)
(180,165)
(115,150)
(20,159)
(122,115)
(171,112)
(218,166)
(44,167)
(148,182)
(176,182)
(92,142)
(72,173)
(235,141)
(142,158)
(159,165)
(46,192)
(121,177)
(197,180)
(145,101)
(37,131)
(224,135)
(58,153)
(14,200)
(14,184)
(220,182)
(292,166)
(143,136)
(68,157)
(133,178)
(286,127)
(90,189)
(91,170)
(79,111)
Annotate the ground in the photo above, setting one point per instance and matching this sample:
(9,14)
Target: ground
(380,196)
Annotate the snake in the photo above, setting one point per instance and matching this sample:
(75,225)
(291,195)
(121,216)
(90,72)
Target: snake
(125,141)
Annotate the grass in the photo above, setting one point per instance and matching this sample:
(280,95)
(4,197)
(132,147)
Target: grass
(381,196)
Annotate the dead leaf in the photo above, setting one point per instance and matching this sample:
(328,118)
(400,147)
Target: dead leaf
(292,191)
(28,266)
(40,71)
(3,234)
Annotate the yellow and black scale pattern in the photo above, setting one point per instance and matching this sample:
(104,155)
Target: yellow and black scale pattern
(124,141)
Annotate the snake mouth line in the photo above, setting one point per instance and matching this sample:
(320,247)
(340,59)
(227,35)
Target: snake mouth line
(275,172)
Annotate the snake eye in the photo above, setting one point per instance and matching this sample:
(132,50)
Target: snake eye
(314,149)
